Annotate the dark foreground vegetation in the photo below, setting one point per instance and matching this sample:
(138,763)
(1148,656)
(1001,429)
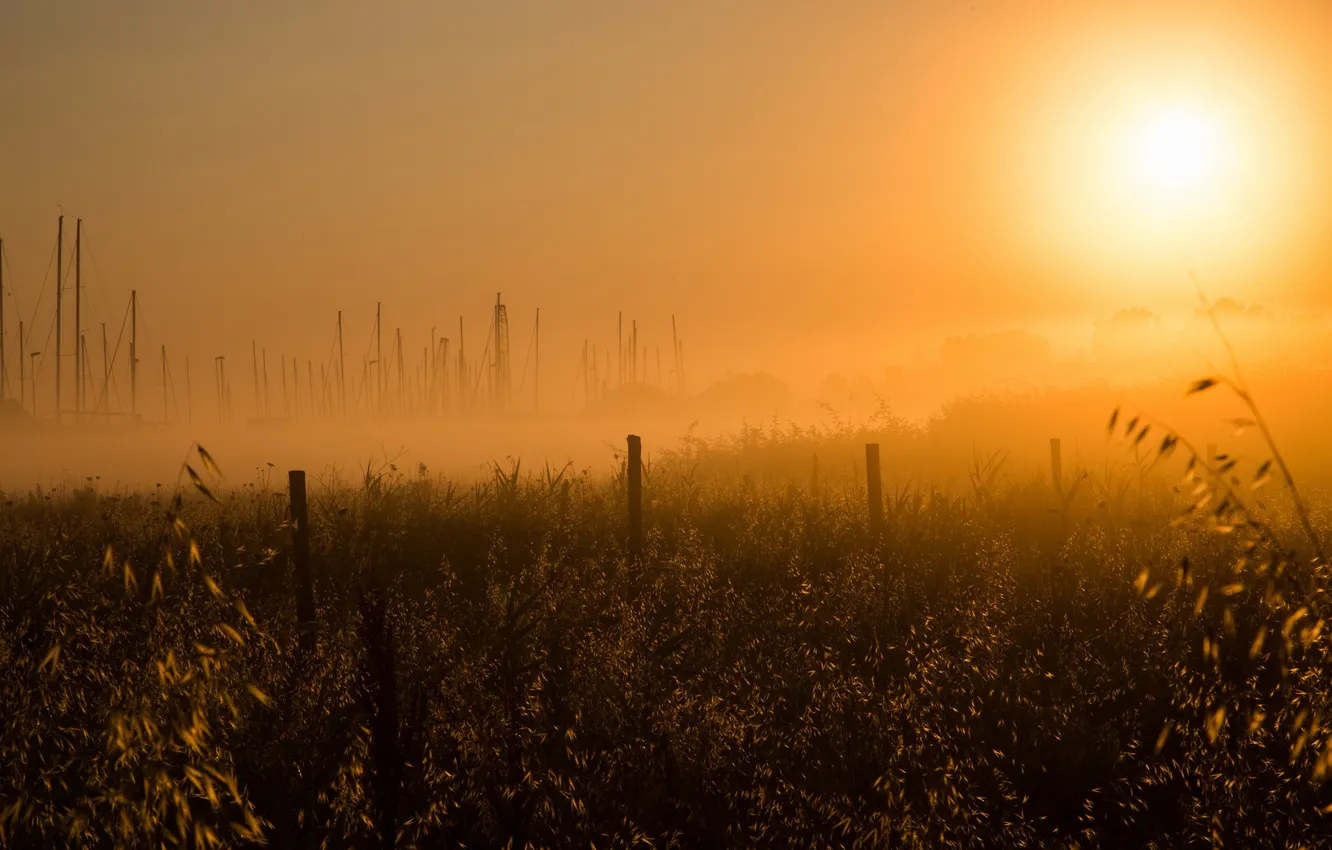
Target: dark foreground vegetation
(1002,666)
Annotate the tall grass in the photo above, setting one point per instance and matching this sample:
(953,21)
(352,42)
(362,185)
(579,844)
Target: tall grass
(1000,667)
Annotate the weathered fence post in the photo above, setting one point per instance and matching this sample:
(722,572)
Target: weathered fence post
(814,479)
(300,558)
(1057,467)
(634,474)
(874,486)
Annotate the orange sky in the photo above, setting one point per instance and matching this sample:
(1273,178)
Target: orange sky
(845,182)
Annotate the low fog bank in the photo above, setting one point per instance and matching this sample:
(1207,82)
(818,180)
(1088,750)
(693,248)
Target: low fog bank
(983,396)
(122,457)
(753,437)
(1013,430)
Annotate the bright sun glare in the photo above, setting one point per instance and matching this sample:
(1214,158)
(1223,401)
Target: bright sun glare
(1177,150)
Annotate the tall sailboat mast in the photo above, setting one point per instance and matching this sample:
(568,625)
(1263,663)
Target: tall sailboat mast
(60,251)
(134,355)
(342,369)
(4,375)
(78,318)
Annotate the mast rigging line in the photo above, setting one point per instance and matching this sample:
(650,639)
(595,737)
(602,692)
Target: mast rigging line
(9,275)
(169,381)
(50,329)
(522,382)
(365,376)
(32,320)
(480,373)
(97,273)
(13,297)
(362,389)
(41,361)
(115,354)
(371,341)
(146,333)
(332,348)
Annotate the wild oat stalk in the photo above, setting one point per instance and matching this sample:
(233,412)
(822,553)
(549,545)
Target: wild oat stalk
(1240,387)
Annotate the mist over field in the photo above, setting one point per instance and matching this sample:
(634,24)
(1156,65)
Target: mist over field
(977,394)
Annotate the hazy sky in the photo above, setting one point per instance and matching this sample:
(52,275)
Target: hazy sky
(825,180)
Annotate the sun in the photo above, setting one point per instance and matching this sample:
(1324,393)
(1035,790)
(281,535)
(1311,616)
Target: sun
(1177,150)
(1131,172)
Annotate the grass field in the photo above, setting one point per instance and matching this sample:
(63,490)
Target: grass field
(1001,666)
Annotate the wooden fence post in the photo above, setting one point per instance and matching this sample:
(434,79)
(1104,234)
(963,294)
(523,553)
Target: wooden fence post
(814,479)
(874,486)
(634,473)
(1057,467)
(300,557)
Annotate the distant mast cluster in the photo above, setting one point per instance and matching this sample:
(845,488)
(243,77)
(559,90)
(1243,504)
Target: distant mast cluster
(90,397)
(390,383)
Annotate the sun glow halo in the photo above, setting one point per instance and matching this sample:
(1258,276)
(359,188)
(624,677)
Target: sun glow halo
(1177,150)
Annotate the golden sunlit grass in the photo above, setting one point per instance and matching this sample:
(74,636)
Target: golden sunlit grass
(1012,665)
